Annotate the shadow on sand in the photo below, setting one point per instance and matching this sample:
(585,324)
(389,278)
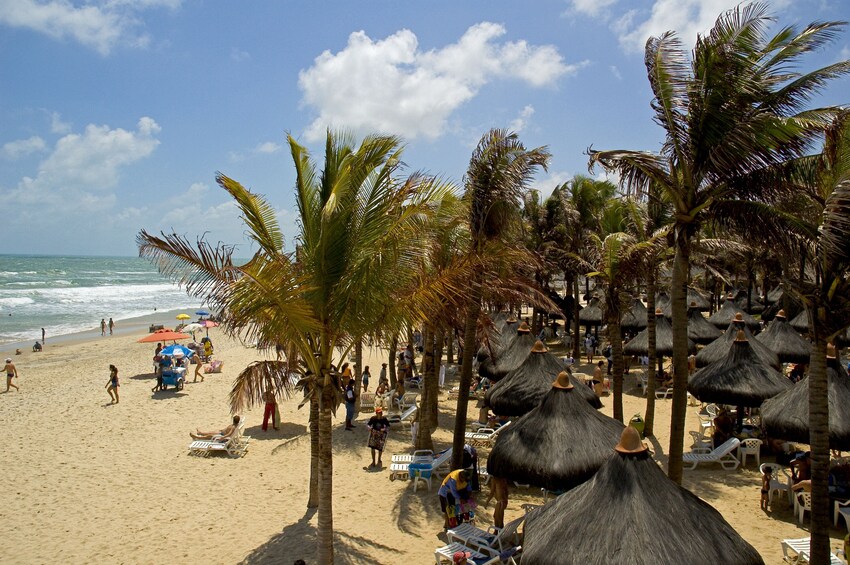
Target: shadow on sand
(287,430)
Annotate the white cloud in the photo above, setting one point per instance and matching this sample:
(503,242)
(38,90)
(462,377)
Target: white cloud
(99,25)
(686,17)
(82,168)
(391,86)
(57,125)
(268,147)
(518,124)
(546,185)
(22,147)
(239,56)
(616,72)
(591,7)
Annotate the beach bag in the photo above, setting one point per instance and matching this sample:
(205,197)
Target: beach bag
(637,423)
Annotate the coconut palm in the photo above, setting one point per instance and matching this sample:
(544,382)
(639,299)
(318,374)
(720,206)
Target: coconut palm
(731,112)
(360,234)
(499,171)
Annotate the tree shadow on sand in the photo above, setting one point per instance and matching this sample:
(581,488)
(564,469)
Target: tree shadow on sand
(144,377)
(421,503)
(298,541)
(287,430)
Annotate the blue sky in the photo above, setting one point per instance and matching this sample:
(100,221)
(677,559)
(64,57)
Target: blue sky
(116,114)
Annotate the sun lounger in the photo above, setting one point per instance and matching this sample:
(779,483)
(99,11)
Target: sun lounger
(235,446)
(491,541)
(721,454)
(485,437)
(797,551)
(409,457)
(446,552)
(405,418)
(422,468)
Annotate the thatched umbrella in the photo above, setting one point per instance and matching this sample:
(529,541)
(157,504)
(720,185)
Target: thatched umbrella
(506,326)
(523,388)
(630,513)
(774,295)
(698,300)
(663,339)
(700,330)
(784,340)
(510,358)
(557,445)
(801,322)
(591,315)
(635,317)
(741,379)
(786,415)
(719,348)
(662,301)
(727,313)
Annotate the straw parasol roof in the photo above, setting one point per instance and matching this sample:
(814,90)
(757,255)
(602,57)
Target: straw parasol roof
(784,340)
(510,358)
(700,330)
(663,339)
(741,379)
(505,326)
(695,299)
(719,348)
(774,295)
(635,317)
(727,312)
(787,415)
(629,512)
(557,445)
(801,322)
(522,389)
(592,313)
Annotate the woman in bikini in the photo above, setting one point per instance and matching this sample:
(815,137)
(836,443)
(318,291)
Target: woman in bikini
(112,383)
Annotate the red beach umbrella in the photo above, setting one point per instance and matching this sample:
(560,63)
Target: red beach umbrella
(163,335)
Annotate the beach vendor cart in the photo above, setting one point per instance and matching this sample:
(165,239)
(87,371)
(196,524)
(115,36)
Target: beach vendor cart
(173,369)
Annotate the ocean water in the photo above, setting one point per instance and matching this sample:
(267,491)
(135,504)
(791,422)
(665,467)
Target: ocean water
(67,295)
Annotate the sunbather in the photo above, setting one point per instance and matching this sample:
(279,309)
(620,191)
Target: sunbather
(221,435)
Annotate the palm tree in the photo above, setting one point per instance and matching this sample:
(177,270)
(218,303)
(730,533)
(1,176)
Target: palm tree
(360,232)
(499,172)
(731,113)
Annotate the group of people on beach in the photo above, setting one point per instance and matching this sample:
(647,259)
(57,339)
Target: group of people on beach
(104,324)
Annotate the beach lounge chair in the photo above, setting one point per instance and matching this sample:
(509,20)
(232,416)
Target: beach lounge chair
(405,418)
(446,552)
(485,437)
(235,446)
(491,541)
(407,400)
(400,464)
(409,457)
(798,550)
(367,401)
(425,470)
(506,557)
(664,392)
(721,454)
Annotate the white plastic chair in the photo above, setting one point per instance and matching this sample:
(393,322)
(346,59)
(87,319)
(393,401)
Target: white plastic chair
(842,508)
(802,503)
(751,446)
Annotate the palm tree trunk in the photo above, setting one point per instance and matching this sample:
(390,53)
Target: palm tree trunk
(433,407)
(615,338)
(313,499)
(450,347)
(423,436)
(393,360)
(472,312)
(678,300)
(576,328)
(325,523)
(819,443)
(649,417)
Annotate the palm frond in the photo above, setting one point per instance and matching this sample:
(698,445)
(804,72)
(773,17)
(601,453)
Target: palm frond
(255,379)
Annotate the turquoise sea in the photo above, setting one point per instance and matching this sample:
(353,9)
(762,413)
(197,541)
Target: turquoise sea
(66,295)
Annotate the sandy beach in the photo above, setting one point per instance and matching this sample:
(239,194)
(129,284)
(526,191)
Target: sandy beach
(90,481)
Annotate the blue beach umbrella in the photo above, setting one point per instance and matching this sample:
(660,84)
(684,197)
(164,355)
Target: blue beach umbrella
(202,313)
(172,349)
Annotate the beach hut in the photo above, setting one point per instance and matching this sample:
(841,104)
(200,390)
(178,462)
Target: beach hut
(557,445)
(505,326)
(630,513)
(742,378)
(523,388)
(695,299)
(700,330)
(719,348)
(724,316)
(663,339)
(801,322)
(494,368)
(591,315)
(784,340)
(786,415)
(635,317)
(662,301)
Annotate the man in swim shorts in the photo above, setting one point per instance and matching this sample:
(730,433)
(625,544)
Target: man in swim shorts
(11,373)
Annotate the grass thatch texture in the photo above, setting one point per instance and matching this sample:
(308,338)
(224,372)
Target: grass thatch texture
(663,340)
(741,379)
(509,359)
(557,445)
(723,317)
(786,415)
(592,313)
(719,348)
(784,340)
(524,388)
(634,319)
(801,322)
(500,339)
(630,513)
(700,330)
(698,300)
(774,295)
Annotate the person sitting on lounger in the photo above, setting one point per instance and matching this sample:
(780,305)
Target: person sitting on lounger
(221,435)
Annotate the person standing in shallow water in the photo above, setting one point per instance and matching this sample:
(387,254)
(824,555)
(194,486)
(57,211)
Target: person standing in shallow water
(111,325)
(102,326)
(42,336)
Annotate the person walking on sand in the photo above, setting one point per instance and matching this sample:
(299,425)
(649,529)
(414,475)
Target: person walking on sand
(112,384)
(102,326)
(196,359)
(270,410)
(11,373)
(365,378)
(379,427)
(111,325)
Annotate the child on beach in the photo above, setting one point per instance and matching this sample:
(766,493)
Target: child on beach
(112,383)
(365,378)
(11,373)
(765,489)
